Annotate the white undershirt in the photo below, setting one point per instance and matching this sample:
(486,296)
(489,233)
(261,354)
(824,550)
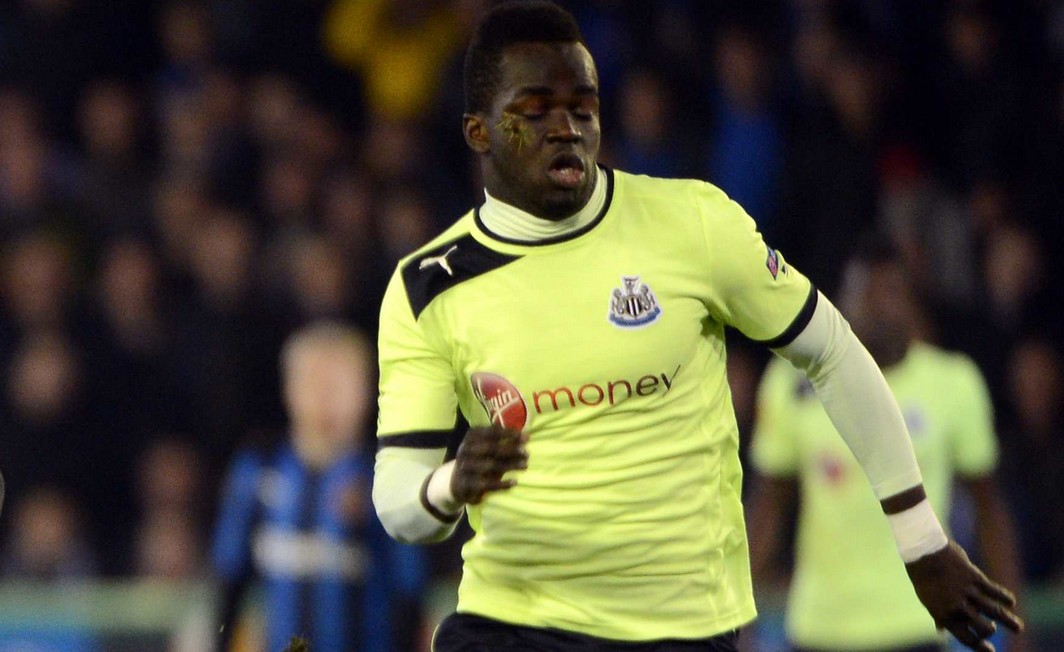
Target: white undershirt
(512,223)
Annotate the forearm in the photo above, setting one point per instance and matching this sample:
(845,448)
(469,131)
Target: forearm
(857,399)
(997,538)
(230,596)
(399,495)
(862,408)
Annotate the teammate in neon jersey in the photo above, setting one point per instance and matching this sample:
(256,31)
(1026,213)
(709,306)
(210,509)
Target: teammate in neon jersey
(576,318)
(847,593)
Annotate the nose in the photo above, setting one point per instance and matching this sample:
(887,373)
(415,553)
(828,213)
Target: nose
(563,128)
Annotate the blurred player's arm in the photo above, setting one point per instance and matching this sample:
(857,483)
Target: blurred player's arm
(997,540)
(774,498)
(774,454)
(231,553)
(975,451)
(857,399)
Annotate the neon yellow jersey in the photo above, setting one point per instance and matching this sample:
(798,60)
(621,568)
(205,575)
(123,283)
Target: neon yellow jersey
(849,589)
(607,347)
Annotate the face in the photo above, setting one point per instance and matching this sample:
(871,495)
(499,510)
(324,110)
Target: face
(878,303)
(539,141)
(327,394)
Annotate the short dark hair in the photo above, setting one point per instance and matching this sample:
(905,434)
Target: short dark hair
(516,21)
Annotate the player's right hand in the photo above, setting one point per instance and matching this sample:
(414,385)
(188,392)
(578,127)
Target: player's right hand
(484,456)
(961,598)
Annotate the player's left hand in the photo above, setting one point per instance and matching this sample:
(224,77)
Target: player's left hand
(961,598)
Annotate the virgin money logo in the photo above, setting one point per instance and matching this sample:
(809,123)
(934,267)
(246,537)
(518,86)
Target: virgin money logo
(500,399)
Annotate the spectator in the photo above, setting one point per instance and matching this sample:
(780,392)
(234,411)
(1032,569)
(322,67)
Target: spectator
(112,182)
(53,47)
(936,236)
(169,549)
(47,432)
(405,223)
(31,193)
(169,542)
(187,43)
(288,193)
(46,542)
(225,334)
(132,338)
(978,98)
(399,48)
(648,142)
(38,285)
(745,157)
(319,282)
(347,210)
(829,186)
(170,478)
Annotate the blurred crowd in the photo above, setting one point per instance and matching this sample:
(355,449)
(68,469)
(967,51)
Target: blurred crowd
(184,183)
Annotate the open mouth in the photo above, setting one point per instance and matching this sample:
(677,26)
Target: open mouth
(566,170)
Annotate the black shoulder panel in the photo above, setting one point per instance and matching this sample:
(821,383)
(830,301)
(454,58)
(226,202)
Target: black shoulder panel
(439,269)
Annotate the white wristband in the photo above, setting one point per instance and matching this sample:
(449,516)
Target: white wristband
(439,490)
(917,532)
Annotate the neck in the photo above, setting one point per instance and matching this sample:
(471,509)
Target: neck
(888,354)
(508,221)
(314,451)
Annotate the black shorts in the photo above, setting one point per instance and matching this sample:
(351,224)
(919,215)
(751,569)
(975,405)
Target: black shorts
(929,647)
(469,633)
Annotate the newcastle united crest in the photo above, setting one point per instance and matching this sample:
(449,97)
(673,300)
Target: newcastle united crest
(634,305)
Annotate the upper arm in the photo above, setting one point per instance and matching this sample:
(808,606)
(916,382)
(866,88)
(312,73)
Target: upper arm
(417,383)
(236,518)
(752,287)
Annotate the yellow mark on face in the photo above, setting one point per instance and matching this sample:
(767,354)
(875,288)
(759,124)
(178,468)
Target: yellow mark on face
(517,131)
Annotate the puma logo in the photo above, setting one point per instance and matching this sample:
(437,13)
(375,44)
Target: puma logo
(440,260)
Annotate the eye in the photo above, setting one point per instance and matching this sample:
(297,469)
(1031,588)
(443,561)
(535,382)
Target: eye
(533,110)
(585,110)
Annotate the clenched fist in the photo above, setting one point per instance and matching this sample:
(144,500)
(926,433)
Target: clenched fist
(961,598)
(485,455)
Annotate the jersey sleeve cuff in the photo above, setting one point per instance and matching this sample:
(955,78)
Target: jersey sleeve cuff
(417,439)
(801,320)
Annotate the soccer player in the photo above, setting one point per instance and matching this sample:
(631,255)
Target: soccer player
(297,515)
(576,318)
(848,592)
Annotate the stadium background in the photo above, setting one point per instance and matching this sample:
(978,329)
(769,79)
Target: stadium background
(184,183)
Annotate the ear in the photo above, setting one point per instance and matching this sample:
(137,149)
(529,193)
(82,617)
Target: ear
(475,130)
